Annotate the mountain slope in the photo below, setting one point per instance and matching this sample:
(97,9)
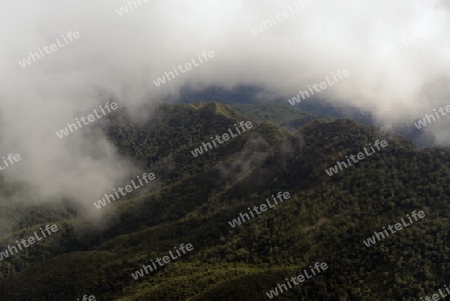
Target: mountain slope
(326,218)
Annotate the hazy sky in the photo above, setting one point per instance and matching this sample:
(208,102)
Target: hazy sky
(120,56)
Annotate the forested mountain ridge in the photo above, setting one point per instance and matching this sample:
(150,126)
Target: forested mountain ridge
(326,219)
(325,109)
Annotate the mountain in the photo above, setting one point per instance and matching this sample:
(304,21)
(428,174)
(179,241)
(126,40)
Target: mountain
(283,115)
(312,108)
(326,219)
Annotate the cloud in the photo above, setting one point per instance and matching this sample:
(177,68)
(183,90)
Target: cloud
(120,56)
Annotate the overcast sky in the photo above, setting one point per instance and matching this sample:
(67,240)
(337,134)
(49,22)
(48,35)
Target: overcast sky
(120,56)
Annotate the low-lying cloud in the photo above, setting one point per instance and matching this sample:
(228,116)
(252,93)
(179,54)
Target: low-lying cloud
(119,57)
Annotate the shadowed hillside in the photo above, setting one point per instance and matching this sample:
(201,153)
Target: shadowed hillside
(326,218)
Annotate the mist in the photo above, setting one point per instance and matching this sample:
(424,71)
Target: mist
(120,57)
